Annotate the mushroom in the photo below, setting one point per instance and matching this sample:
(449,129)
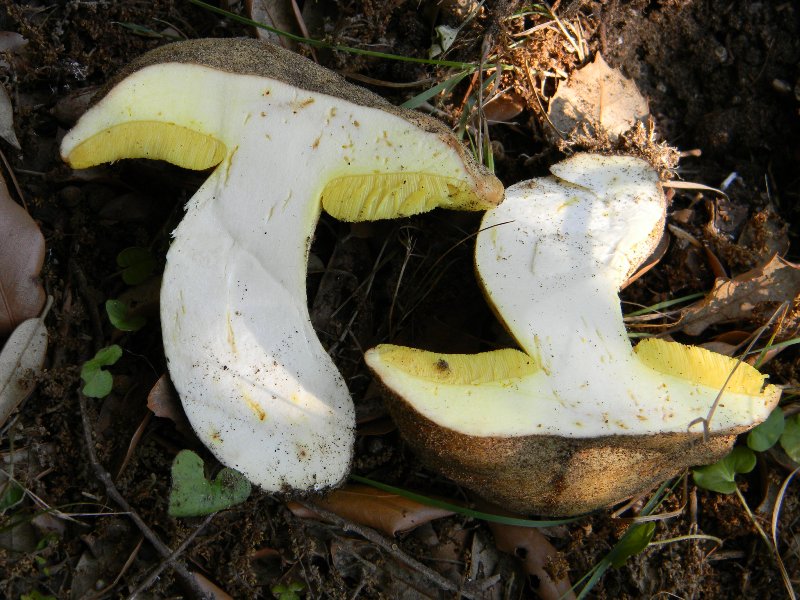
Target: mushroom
(285,138)
(579,419)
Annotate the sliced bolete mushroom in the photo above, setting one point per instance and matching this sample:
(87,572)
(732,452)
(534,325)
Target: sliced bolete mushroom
(287,138)
(579,419)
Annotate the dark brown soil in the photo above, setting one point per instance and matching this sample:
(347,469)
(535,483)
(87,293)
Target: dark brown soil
(723,82)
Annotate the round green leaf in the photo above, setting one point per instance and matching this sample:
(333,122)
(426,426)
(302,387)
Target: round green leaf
(790,440)
(721,476)
(765,435)
(120,317)
(193,495)
(137,264)
(98,381)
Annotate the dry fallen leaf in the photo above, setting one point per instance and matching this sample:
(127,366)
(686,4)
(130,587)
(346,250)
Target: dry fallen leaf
(766,234)
(600,95)
(7,119)
(21,256)
(539,558)
(735,299)
(211,589)
(389,513)
(504,107)
(275,13)
(162,400)
(22,355)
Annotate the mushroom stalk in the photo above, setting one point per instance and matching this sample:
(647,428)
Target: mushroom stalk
(269,377)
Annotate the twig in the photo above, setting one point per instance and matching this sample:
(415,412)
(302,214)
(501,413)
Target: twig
(148,581)
(392,548)
(122,571)
(91,305)
(186,578)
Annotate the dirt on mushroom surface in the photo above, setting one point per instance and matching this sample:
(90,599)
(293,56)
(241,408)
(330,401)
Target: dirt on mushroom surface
(723,84)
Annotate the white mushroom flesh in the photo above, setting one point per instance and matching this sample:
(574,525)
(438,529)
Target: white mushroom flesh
(256,384)
(552,258)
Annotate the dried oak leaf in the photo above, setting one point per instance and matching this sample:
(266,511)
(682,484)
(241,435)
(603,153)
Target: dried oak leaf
(598,94)
(736,299)
(386,512)
(539,558)
(21,256)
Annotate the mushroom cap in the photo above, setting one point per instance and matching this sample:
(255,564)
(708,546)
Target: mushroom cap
(258,58)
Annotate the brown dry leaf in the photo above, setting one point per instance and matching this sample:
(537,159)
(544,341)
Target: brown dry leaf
(735,299)
(504,107)
(275,13)
(163,401)
(7,119)
(211,589)
(600,95)
(21,256)
(389,513)
(766,234)
(22,355)
(539,558)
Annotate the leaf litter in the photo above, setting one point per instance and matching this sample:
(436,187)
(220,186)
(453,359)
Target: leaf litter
(21,360)
(21,257)
(739,298)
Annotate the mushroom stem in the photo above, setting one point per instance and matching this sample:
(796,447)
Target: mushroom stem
(271,377)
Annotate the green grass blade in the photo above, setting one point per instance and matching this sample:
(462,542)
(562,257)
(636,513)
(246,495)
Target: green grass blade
(445,86)
(761,353)
(664,304)
(461,510)
(321,44)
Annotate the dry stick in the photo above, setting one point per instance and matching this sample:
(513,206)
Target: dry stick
(392,548)
(186,578)
(122,571)
(148,581)
(91,305)
(14,180)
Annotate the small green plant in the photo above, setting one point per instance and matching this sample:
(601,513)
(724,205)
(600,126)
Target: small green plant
(790,439)
(290,591)
(765,436)
(137,264)
(636,539)
(11,494)
(120,316)
(721,476)
(193,495)
(36,595)
(98,381)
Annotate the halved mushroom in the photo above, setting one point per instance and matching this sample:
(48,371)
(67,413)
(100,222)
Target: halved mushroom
(580,419)
(287,139)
